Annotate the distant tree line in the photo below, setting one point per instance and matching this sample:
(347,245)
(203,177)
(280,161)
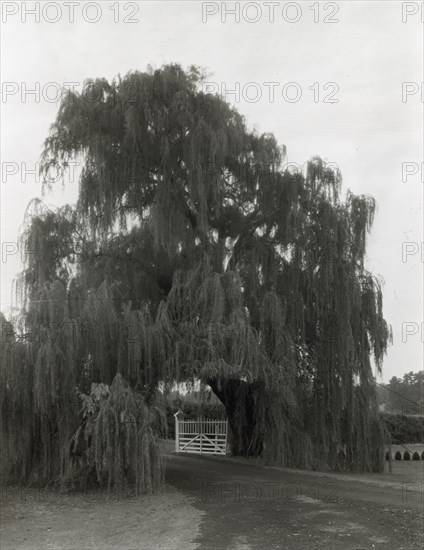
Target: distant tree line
(404,396)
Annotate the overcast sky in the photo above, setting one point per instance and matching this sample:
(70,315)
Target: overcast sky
(362,56)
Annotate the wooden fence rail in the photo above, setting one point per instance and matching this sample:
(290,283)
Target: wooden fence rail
(201,436)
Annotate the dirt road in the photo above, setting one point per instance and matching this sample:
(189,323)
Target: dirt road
(249,507)
(210,503)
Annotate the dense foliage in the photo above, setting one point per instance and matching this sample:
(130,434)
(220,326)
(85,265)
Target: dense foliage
(404,395)
(404,429)
(193,255)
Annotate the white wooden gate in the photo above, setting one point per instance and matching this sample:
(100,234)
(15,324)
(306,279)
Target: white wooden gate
(200,436)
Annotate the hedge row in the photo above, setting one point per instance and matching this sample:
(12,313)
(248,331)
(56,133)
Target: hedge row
(406,455)
(404,429)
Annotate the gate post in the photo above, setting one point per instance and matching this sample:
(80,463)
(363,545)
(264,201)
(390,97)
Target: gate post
(177,417)
(226,437)
(201,431)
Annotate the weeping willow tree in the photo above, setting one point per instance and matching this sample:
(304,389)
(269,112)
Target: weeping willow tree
(192,255)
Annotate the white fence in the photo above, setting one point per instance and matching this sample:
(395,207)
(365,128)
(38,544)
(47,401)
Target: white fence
(201,436)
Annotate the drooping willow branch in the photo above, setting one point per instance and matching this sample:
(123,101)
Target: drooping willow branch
(211,263)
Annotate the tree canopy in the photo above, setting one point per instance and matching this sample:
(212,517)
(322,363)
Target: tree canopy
(191,255)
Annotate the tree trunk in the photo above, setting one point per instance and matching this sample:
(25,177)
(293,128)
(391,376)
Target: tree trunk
(237,397)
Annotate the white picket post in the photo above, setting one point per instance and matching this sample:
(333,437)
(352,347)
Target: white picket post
(177,432)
